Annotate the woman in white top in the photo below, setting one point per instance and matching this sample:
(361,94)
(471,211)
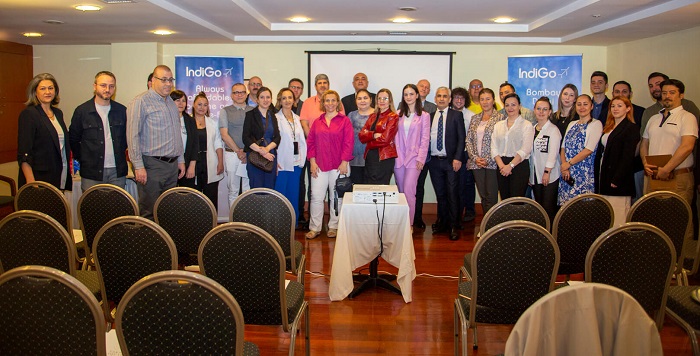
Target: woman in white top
(291,153)
(544,159)
(511,146)
(577,152)
(210,150)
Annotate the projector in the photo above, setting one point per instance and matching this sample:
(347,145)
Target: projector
(369,194)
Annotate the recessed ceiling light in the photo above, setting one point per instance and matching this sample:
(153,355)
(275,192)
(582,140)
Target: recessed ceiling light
(398,33)
(408,8)
(87,8)
(299,19)
(32,34)
(54,22)
(401,20)
(503,19)
(596,15)
(163,32)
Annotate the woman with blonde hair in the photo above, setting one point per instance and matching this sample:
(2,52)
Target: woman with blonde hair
(378,136)
(291,153)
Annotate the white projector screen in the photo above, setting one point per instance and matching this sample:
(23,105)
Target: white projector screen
(390,70)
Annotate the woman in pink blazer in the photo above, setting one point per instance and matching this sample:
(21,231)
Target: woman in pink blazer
(411,140)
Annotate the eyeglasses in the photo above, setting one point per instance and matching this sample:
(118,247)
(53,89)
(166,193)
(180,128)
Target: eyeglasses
(296,87)
(382,99)
(255,85)
(165,80)
(476,86)
(239,93)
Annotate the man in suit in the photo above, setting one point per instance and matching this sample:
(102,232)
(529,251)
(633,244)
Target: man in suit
(423,91)
(359,81)
(447,154)
(601,103)
(297,87)
(98,136)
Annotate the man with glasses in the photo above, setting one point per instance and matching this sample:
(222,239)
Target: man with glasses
(297,87)
(153,136)
(98,136)
(231,119)
(359,81)
(254,84)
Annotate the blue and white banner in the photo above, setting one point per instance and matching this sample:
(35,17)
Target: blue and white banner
(212,75)
(537,76)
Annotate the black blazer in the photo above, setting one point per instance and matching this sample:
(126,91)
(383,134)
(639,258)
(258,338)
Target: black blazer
(349,103)
(454,135)
(603,111)
(37,144)
(254,128)
(192,143)
(618,161)
(87,139)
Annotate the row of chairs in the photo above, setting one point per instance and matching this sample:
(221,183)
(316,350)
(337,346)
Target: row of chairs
(515,264)
(243,258)
(583,219)
(46,311)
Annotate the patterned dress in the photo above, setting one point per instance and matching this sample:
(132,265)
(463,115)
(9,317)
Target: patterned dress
(582,172)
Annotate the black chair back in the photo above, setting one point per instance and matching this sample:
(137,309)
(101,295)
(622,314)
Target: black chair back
(45,198)
(515,208)
(99,205)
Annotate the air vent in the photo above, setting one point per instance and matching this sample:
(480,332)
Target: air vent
(118,1)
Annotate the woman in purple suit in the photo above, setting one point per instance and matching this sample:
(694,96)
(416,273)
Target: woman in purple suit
(411,142)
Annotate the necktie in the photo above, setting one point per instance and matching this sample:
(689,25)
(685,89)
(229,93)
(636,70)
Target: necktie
(665,116)
(439,132)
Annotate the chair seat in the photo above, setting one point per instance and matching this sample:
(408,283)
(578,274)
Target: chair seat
(250,349)
(485,314)
(570,268)
(295,299)
(91,280)
(680,302)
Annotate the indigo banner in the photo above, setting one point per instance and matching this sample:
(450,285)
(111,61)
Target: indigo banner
(537,76)
(212,75)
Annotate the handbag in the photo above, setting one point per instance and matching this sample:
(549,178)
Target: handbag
(257,160)
(343,184)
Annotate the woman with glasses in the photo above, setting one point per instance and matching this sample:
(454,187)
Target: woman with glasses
(261,134)
(210,150)
(42,137)
(359,117)
(378,136)
(188,132)
(577,152)
(544,160)
(329,149)
(291,153)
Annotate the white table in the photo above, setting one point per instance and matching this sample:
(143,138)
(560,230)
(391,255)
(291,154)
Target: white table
(357,244)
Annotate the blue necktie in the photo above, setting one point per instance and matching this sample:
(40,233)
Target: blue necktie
(439,132)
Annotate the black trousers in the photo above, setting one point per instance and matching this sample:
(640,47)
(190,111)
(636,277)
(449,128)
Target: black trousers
(445,181)
(378,171)
(211,190)
(547,197)
(514,185)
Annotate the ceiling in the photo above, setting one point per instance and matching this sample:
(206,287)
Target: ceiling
(580,22)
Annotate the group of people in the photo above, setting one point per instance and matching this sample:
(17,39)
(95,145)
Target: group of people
(464,139)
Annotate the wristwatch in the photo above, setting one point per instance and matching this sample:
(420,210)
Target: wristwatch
(546,171)
(511,165)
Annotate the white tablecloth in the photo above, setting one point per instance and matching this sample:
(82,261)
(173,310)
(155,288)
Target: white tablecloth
(357,244)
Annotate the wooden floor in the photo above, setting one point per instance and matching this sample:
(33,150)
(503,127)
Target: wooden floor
(378,322)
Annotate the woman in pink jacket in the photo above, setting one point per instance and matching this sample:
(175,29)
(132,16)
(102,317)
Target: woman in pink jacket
(411,140)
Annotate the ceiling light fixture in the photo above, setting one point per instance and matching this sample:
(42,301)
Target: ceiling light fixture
(84,8)
(408,8)
(401,20)
(299,19)
(32,34)
(398,33)
(503,19)
(163,32)
(596,15)
(54,22)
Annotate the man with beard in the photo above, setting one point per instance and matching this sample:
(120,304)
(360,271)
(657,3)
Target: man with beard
(654,80)
(98,135)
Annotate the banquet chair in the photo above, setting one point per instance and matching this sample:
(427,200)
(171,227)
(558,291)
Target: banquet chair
(585,319)
(127,249)
(578,223)
(671,213)
(187,215)
(271,211)
(29,237)
(99,205)
(249,263)
(515,208)
(180,313)
(514,264)
(7,202)
(45,198)
(683,308)
(48,312)
(637,258)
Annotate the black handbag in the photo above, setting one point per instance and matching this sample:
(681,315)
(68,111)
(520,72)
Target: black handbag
(257,160)
(343,184)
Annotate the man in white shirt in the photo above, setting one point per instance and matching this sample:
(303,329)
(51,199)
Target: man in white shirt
(672,131)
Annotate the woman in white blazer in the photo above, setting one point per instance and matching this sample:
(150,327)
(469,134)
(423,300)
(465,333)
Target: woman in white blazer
(291,153)
(210,150)
(544,160)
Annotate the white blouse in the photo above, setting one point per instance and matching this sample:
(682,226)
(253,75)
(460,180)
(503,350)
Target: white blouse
(545,154)
(507,142)
(290,133)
